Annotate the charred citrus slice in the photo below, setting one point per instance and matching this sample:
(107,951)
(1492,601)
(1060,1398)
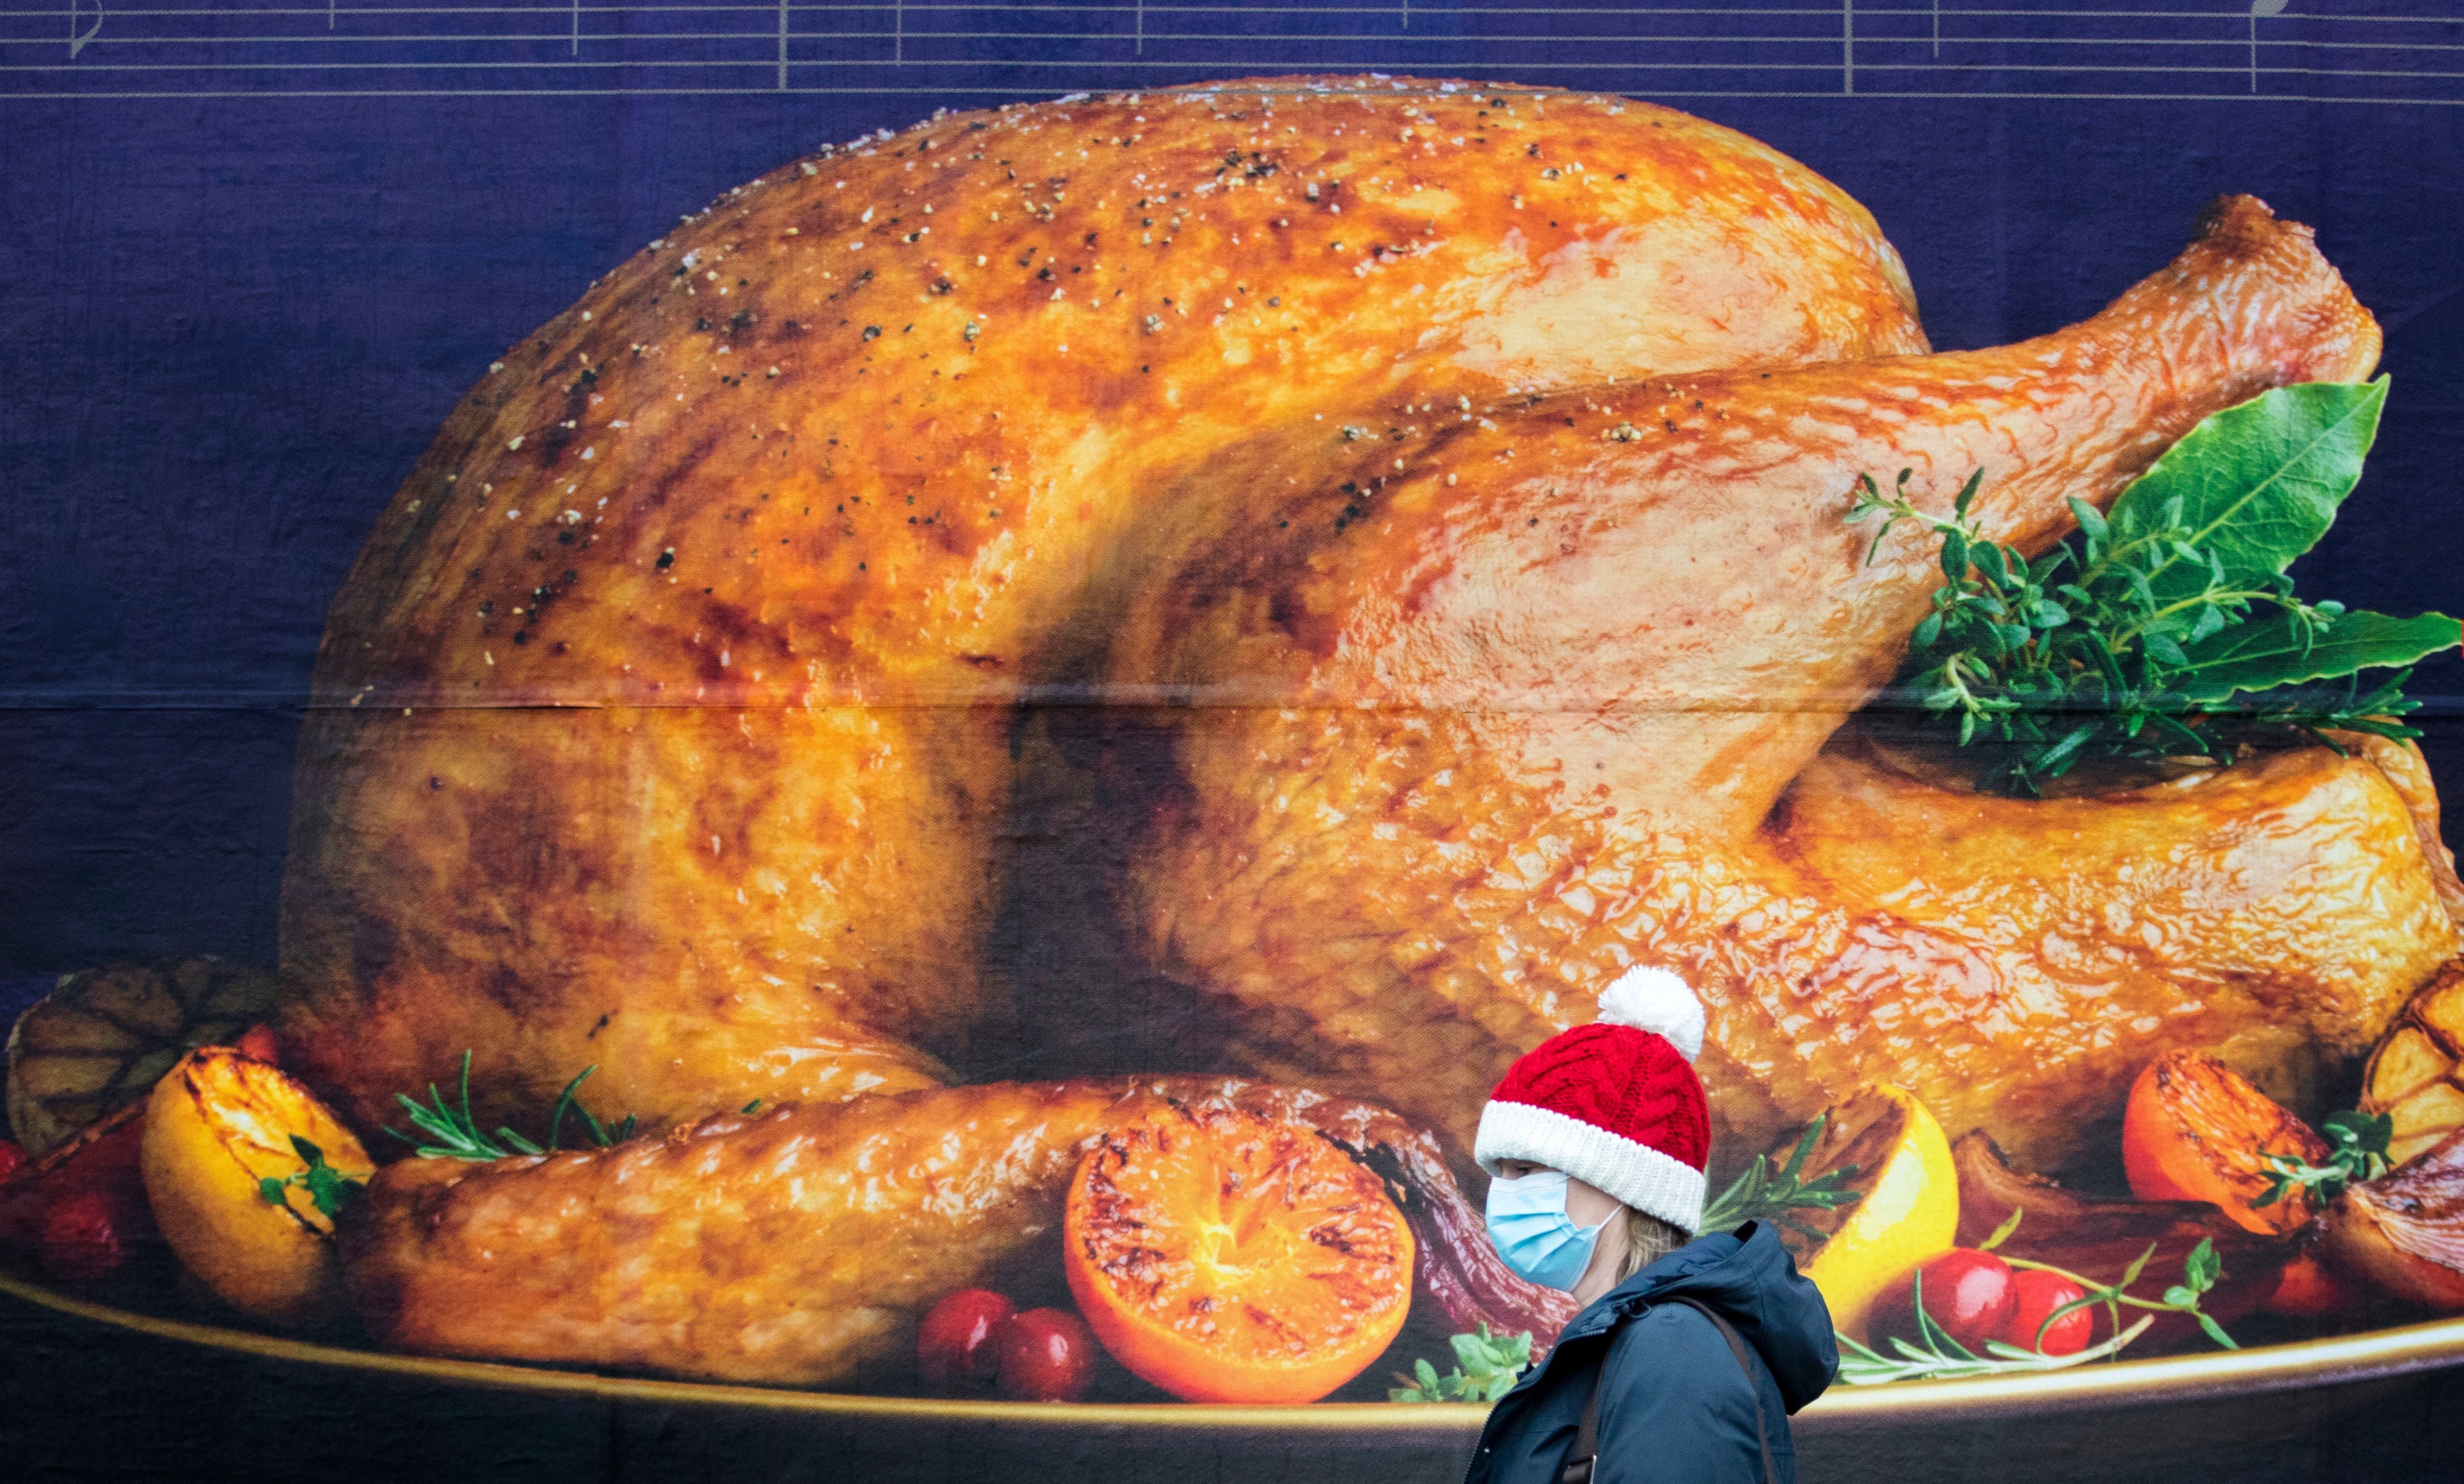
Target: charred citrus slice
(2196,1130)
(1907,1206)
(104,1036)
(226,1168)
(2414,1076)
(1229,1259)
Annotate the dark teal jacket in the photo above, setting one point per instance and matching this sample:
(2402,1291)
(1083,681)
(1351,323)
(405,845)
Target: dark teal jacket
(1675,1408)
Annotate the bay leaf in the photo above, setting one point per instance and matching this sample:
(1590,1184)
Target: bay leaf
(2258,484)
(2268,650)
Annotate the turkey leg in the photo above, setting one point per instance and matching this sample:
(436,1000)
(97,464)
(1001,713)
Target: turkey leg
(802,1246)
(1482,711)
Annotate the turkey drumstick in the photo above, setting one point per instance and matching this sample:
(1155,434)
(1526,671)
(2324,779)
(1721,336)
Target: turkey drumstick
(1474,714)
(802,1245)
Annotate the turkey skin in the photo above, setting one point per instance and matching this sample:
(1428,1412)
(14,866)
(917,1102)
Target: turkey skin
(665,723)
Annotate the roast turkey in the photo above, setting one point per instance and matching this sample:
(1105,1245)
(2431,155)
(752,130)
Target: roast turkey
(1434,495)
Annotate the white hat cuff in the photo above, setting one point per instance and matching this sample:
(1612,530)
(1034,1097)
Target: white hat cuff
(1635,1174)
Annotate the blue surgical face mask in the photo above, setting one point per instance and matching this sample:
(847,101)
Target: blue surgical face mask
(1529,1223)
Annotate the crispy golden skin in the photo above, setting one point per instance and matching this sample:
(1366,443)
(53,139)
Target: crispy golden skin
(2276,913)
(1480,712)
(664,723)
(802,1245)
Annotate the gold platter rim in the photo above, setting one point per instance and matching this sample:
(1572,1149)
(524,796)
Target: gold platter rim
(2307,1363)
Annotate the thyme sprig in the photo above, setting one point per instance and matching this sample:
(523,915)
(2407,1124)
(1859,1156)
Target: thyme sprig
(2166,628)
(2201,1271)
(328,1188)
(2358,1151)
(2076,654)
(1760,1194)
(1935,1356)
(447,1131)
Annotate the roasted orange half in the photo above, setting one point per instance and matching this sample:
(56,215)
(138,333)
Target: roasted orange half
(2196,1130)
(1229,1259)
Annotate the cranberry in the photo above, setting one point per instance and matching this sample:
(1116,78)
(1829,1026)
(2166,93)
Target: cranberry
(2040,1293)
(11,1160)
(1967,1294)
(1046,1355)
(2311,1290)
(956,1349)
(258,1043)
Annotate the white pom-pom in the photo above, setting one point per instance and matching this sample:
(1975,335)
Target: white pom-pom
(1657,1001)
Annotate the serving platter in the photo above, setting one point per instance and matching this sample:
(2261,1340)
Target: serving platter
(2309,1364)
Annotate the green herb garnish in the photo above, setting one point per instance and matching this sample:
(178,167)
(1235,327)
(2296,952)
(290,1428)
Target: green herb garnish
(1935,1356)
(2167,626)
(2200,1272)
(328,1188)
(1487,1367)
(2358,1150)
(1760,1195)
(449,1132)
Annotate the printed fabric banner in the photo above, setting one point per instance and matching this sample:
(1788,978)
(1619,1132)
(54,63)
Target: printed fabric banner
(1006,742)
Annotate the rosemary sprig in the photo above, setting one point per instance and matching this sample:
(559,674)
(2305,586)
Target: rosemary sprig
(2359,1151)
(601,1135)
(1935,1356)
(1760,1195)
(442,1131)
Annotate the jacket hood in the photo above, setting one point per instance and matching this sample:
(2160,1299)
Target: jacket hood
(1752,1281)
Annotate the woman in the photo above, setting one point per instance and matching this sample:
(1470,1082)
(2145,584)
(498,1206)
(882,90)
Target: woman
(1690,1355)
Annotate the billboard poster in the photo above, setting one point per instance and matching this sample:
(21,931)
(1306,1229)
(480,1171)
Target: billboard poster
(884,741)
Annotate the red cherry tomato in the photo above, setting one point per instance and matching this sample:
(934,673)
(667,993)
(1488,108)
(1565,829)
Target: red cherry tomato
(1046,1355)
(257,1042)
(101,1163)
(2039,1295)
(83,1238)
(956,1350)
(1967,1294)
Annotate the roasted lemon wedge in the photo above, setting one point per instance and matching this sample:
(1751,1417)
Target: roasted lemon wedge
(1866,1195)
(246,1171)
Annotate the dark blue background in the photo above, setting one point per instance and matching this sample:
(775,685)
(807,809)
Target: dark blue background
(231,325)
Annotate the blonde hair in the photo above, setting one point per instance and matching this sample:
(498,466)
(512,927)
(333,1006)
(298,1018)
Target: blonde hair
(1647,1240)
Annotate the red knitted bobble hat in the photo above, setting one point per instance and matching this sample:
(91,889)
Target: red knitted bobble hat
(1616,1103)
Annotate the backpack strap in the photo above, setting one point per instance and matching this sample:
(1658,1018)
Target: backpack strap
(1587,1433)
